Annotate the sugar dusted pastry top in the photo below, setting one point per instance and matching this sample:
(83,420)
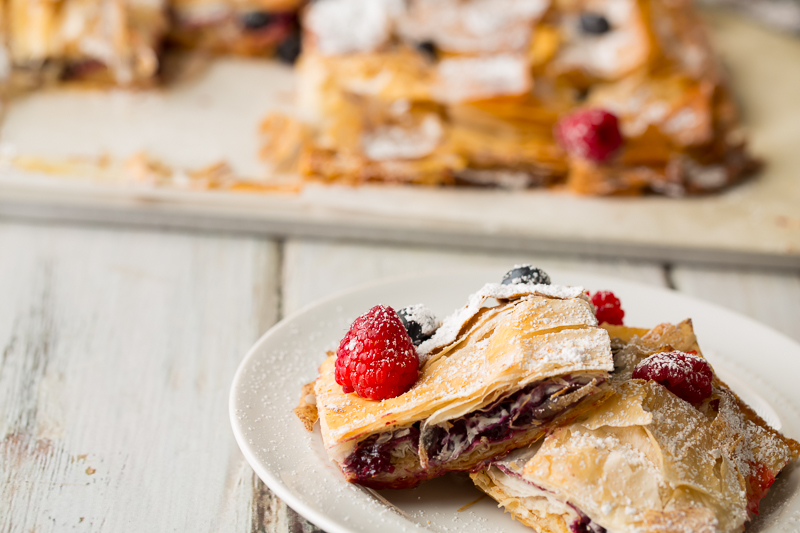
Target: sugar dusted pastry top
(647,461)
(496,351)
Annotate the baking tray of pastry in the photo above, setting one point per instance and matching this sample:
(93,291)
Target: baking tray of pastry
(189,155)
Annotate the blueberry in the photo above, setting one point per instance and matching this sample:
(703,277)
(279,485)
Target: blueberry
(594,24)
(526,274)
(419,321)
(428,48)
(290,49)
(255,20)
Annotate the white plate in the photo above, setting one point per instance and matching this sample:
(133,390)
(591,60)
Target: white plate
(762,365)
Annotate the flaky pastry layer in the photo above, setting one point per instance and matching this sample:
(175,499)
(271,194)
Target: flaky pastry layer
(646,460)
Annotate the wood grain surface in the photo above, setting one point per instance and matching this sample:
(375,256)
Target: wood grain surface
(117,350)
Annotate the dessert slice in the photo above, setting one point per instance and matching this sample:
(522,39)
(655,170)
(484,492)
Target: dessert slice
(470,92)
(101,41)
(247,27)
(648,460)
(492,379)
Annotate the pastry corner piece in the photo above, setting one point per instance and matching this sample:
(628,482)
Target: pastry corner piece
(493,378)
(646,460)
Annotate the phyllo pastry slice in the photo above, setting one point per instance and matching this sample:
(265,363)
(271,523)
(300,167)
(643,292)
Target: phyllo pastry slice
(100,41)
(492,379)
(647,460)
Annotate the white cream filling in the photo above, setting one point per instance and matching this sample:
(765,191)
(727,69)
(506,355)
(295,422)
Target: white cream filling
(536,501)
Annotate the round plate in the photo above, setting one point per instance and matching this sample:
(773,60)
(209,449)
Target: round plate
(761,365)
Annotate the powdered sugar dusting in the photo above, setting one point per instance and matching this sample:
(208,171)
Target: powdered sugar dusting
(472,26)
(495,357)
(346,26)
(396,142)
(474,78)
(451,326)
(640,467)
(423,316)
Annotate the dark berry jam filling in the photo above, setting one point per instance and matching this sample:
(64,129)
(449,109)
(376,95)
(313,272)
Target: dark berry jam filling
(503,420)
(373,456)
(379,455)
(584,524)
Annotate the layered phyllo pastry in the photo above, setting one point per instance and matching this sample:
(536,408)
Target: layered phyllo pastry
(516,361)
(99,41)
(600,96)
(247,27)
(674,450)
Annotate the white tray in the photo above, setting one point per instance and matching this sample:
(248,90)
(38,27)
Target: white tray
(216,116)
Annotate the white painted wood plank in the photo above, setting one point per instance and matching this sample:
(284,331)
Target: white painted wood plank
(769,297)
(315,269)
(117,350)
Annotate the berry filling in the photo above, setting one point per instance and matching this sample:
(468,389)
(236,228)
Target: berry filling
(594,24)
(504,420)
(584,524)
(289,50)
(391,459)
(685,375)
(429,49)
(759,481)
(373,456)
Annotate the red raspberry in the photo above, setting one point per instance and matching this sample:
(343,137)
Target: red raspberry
(377,358)
(607,308)
(759,481)
(685,375)
(590,134)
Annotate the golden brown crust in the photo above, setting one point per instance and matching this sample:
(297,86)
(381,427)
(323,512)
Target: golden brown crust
(624,333)
(306,410)
(751,416)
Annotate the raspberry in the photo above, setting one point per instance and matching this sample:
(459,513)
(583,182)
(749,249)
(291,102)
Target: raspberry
(685,375)
(376,357)
(589,134)
(608,308)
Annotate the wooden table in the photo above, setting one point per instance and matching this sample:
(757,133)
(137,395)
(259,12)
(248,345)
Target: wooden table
(118,347)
